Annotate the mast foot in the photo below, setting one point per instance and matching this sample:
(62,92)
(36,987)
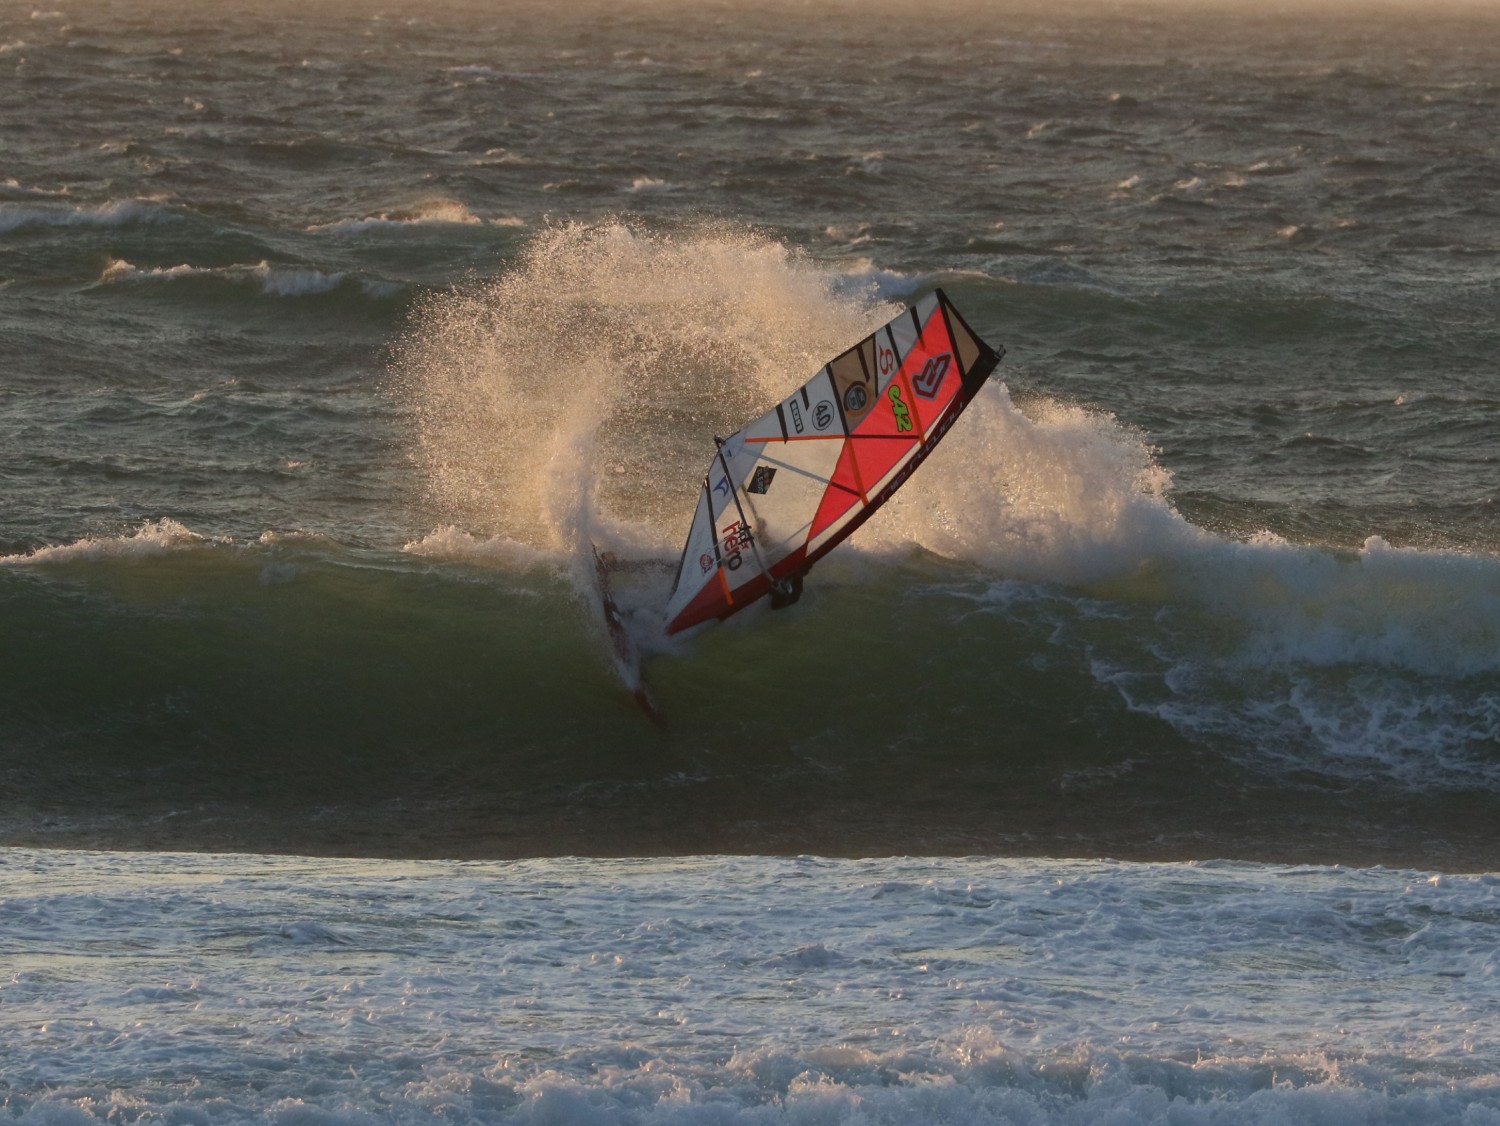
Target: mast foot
(786,592)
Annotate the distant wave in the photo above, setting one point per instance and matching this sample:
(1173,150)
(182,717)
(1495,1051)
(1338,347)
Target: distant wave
(432,213)
(117,213)
(16,190)
(476,71)
(274,281)
(651,184)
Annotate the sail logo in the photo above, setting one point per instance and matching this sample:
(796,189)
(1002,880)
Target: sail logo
(737,537)
(899,409)
(760,480)
(796,416)
(929,380)
(856,398)
(822,415)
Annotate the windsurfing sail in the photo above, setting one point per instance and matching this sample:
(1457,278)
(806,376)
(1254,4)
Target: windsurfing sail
(788,487)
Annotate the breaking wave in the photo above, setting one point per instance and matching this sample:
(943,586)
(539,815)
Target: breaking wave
(1380,662)
(1052,621)
(117,213)
(155,538)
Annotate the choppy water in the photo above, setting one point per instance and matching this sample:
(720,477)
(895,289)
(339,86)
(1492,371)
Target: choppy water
(748,990)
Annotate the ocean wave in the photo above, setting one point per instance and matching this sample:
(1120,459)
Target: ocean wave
(16,190)
(1077,720)
(117,213)
(863,278)
(1383,663)
(1055,493)
(273,281)
(152,539)
(456,544)
(445,212)
(1377,664)
(650,184)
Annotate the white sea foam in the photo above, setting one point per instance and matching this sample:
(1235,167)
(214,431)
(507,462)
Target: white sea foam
(863,278)
(1059,494)
(151,539)
(457,544)
(727,991)
(651,184)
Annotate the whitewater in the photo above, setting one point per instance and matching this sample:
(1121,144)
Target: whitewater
(742,990)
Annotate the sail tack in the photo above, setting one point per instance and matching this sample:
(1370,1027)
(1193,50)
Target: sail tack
(787,488)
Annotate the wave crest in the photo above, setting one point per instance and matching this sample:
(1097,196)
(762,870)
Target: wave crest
(116,213)
(272,281)
(151,539)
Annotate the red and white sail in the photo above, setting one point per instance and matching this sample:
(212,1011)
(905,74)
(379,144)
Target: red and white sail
(786,489)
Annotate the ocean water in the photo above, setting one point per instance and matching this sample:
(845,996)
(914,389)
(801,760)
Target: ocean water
(327,329)
(223,989)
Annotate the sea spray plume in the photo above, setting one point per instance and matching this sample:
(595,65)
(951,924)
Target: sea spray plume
(1054,493)
(610,354)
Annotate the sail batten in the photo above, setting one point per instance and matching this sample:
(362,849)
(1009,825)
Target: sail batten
(824,459)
